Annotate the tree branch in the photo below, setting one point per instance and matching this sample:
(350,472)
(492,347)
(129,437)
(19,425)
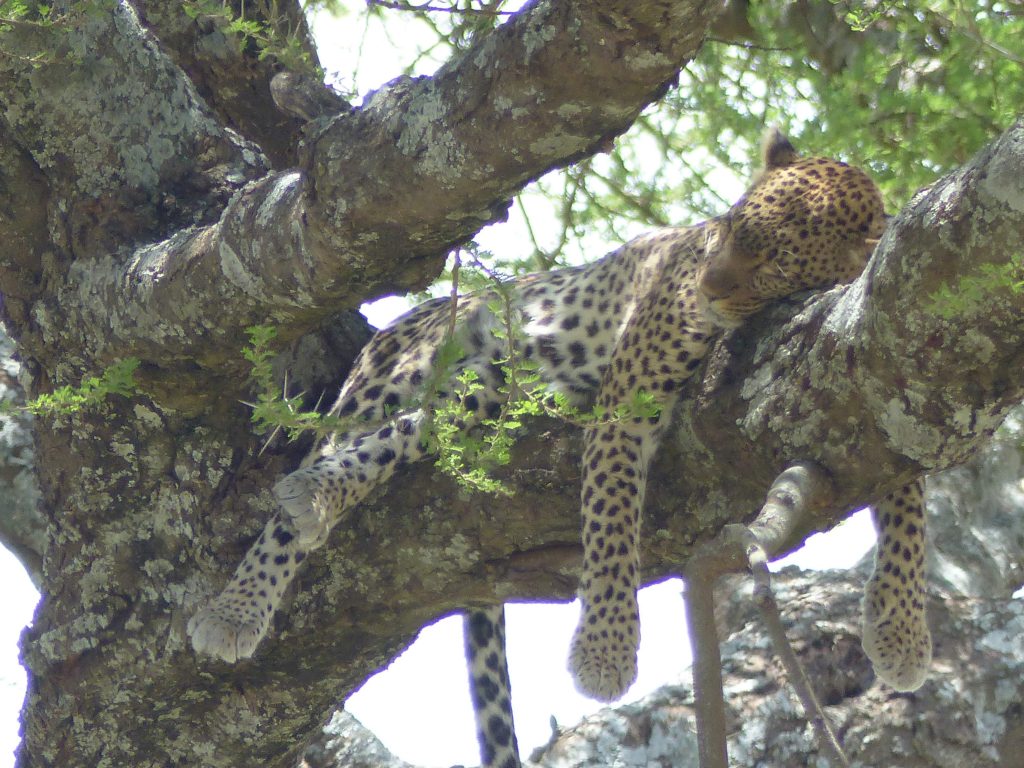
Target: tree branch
(233,80)
(112,123)
(707,665)
(388,189)
(792,497)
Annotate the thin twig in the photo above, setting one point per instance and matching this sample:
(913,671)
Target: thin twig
(769,610)
(644,208)
(453,315)
(795,493)
(747,45)
(707,675)
(976,36)
(542,259)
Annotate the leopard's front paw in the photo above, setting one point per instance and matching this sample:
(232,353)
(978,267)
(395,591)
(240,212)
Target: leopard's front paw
(603,663)
(302,512)
(895,635)
(222,630)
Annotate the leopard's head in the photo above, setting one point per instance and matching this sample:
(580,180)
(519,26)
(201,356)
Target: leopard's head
(804,223)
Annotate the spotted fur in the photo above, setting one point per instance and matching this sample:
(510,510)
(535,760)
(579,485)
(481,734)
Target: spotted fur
(641,319)
(484,631)
(895,631)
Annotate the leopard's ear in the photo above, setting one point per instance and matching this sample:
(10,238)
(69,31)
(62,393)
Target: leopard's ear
(776,151)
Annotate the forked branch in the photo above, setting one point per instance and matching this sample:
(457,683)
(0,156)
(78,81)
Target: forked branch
(796,492)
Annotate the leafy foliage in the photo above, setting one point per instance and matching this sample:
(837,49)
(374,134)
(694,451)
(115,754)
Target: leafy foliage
(117,379)
(274,410)
(262,26)
(912,91)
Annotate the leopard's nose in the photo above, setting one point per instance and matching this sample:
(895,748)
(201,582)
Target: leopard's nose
(717,282)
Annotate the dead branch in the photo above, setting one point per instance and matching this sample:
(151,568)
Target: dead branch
(796,492)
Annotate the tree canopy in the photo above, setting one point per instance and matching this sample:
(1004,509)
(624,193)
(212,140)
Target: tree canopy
(908,91)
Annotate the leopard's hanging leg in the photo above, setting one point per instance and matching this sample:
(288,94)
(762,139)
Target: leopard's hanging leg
(661,347)
(604,648)
(312,500)
(895,628)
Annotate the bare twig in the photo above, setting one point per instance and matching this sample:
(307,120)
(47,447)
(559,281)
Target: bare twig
(797,491)
(638,205)
(769,609)
(453,315)
(540,256)
(748,45)
(707,668)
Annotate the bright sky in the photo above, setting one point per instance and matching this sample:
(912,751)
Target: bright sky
(420,705)
(20,599)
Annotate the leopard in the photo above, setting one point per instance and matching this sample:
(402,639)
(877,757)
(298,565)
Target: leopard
(639,320)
